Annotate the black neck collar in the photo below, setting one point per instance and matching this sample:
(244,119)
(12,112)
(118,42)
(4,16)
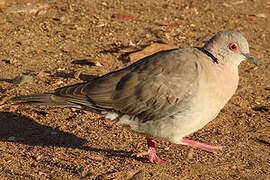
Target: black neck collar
(215,60)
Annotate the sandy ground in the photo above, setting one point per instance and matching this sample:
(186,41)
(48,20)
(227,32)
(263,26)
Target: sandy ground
(59,43)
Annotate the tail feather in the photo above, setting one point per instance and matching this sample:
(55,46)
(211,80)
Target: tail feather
(69,96)
(51,100)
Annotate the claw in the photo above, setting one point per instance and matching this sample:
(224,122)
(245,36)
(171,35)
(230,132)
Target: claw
(151,152)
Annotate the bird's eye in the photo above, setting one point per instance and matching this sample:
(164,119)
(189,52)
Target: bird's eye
(234,47)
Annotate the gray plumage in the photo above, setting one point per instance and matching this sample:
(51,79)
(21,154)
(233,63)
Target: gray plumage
(168,95)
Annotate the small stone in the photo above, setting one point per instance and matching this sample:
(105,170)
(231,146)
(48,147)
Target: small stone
(122,16)
(104,4)
(111,115)
(29,8)
(59,82)
(43,74)
(60,69)
(74,109)
(196,11)
(11,138)
(237,2)
(63,18)
(98,64)
(101,25)
(132,44)
(97,158)
(166,148)
(22,79)
(42,174)
(225,4)
(38,157)
(261,15)
(53,133)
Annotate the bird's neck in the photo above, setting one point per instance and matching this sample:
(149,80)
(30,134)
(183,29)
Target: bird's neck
(226,78)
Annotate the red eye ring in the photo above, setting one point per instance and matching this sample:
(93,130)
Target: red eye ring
(234,47)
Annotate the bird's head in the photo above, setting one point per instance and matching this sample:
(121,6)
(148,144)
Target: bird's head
(229,47)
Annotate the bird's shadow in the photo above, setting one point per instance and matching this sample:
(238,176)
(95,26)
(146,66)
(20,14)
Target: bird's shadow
(23,130)
(6,80)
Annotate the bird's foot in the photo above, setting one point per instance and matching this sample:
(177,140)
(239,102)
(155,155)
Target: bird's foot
(152,156)
(151,152)
(202,146)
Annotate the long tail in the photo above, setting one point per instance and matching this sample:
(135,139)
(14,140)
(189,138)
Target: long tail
(53,100)
(84,96)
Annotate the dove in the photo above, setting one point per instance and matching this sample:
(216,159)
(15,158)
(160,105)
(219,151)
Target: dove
(167,95)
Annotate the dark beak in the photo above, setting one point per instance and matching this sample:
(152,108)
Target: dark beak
(251,58)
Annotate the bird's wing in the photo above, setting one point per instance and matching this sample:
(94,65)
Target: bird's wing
(159,87)
(154,87)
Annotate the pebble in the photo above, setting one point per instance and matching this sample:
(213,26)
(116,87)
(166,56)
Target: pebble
(58,82)
(261,15)
(11,138)
(237,2)
(26,9)
(29,8)
(225,4)
(43,74)
(38,157)
(98,64)
(22,79)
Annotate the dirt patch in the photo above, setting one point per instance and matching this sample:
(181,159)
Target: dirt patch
(64,42)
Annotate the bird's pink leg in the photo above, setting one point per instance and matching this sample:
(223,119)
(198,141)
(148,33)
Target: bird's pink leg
(205,147)
(152,155)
